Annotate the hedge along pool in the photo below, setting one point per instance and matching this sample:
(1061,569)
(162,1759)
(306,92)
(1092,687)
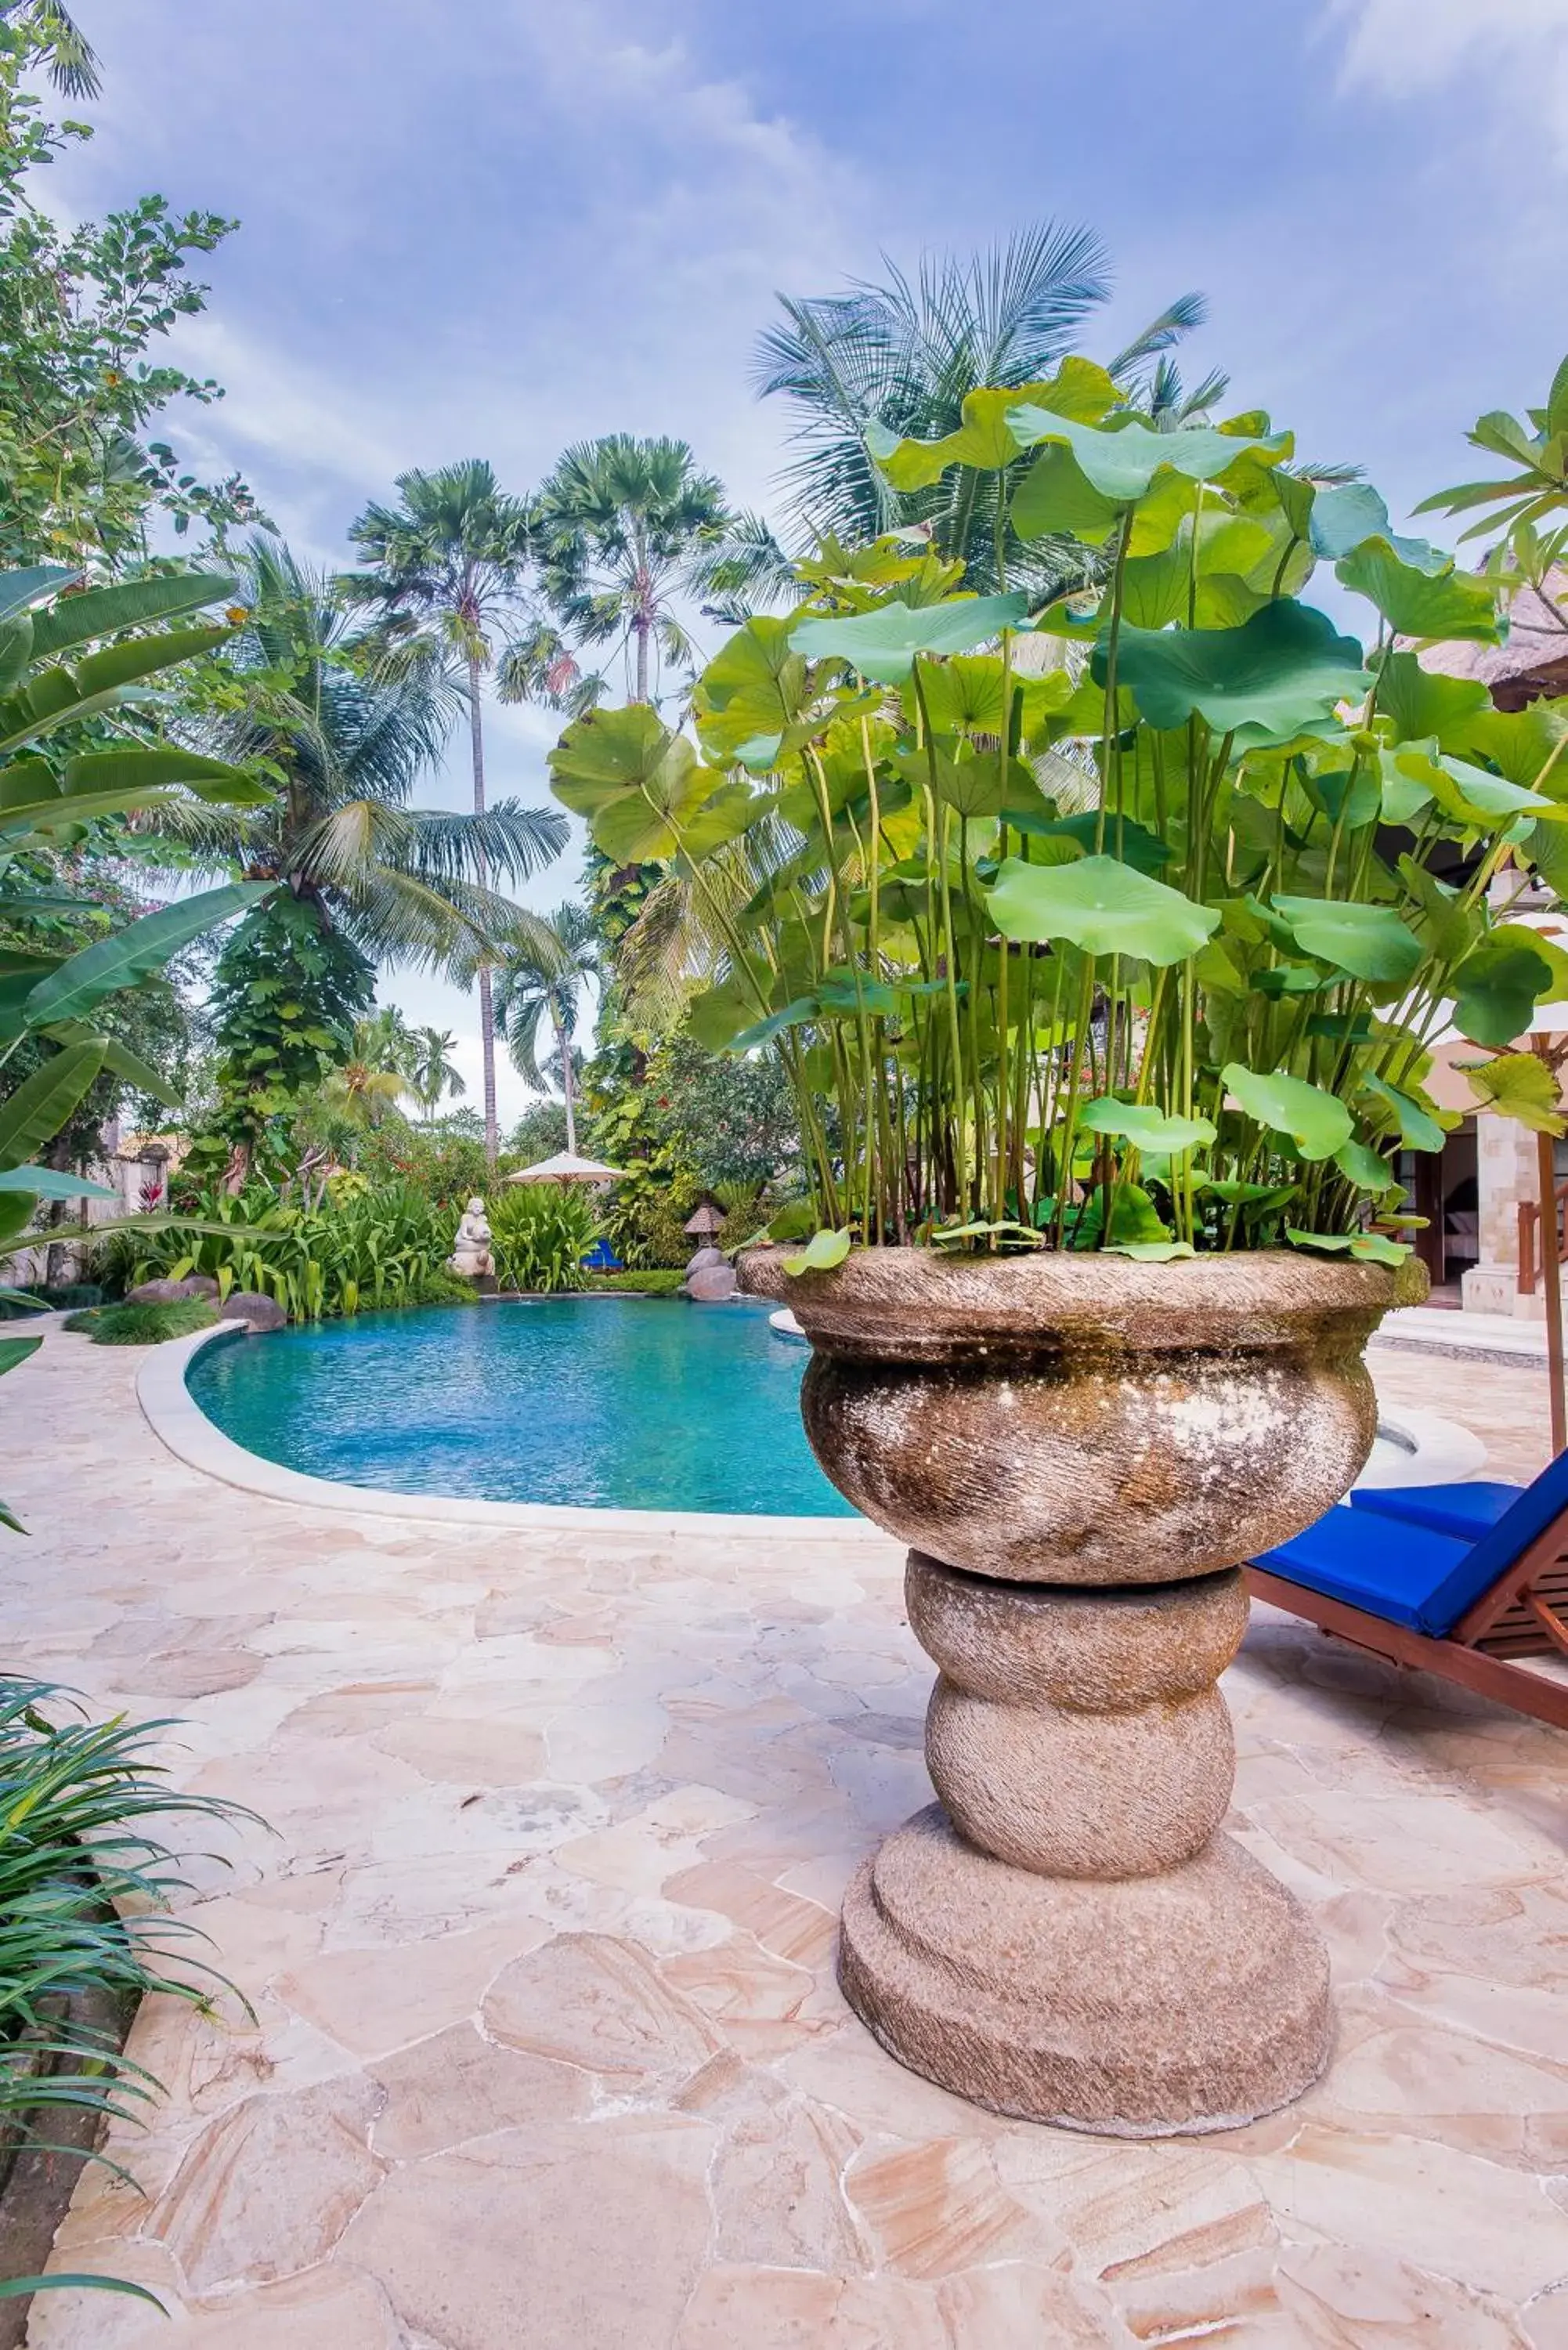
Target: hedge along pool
(601,1402)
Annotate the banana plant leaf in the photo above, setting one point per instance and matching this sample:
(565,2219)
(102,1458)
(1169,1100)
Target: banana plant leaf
(132,954)
(51,1183)
(23,591)
(42,1103)
(97,772)
(76,620)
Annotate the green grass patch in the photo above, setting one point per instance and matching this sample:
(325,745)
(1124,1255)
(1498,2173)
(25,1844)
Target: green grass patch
(659,1283)
(142,1325)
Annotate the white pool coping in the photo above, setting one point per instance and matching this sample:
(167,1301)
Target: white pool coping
(178,1420)
(1442,1454)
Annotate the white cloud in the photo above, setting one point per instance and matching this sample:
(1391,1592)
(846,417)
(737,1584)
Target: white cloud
(1516,50)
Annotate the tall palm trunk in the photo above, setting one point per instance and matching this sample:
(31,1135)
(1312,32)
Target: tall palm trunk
(643,623)
(486,1008)
(563,1046)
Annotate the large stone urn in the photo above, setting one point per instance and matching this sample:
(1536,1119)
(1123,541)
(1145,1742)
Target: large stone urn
(1079,1449)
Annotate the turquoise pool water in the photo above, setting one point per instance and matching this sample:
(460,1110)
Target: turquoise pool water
(610,1402)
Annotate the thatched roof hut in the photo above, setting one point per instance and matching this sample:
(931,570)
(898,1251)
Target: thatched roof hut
(1533,665)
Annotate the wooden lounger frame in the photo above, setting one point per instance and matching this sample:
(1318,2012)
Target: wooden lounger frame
(1524,1613)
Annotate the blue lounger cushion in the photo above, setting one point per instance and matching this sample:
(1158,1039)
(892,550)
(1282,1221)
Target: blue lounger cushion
(1464,1512)
(1401,1573)
(1411,1572)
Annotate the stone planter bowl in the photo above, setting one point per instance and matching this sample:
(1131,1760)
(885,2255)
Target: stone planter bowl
(1080,1450)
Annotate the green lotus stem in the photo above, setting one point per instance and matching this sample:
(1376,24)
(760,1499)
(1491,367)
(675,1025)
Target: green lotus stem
(1111,738)
(976,979)
(939,836)
(1074,1087)
(1188,990)
(830,902)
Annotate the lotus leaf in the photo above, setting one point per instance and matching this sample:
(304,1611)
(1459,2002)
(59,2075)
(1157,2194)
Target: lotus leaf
(984,439)
(882,644)
(1144,1127)
(1525,745)
(1121,461)
(1281,674)
(1365,1168)
(1424,705)
(1369,941)
(1466,794)
(821,1253)
(1418,1129)
(1101,906)
(1315,1121)
(1365,1248)
(1518,1085)
(1429,597)
(1500,982)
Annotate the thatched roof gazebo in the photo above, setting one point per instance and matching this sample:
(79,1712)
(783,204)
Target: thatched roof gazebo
(706,1224)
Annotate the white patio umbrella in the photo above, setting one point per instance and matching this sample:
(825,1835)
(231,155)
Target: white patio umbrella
(567,1167)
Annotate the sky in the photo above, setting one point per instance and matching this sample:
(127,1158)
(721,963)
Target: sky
(498,229)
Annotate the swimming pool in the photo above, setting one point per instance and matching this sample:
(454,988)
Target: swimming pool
(605,1402)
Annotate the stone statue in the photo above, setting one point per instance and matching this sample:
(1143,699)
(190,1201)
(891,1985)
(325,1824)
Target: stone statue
(471,1259)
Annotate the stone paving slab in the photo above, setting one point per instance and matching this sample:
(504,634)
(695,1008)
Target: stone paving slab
(547,2053)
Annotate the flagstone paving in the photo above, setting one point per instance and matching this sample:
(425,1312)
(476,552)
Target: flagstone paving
(546,2048)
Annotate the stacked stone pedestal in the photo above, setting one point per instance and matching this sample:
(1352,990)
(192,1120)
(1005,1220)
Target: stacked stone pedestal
(1078,1449)
(1064,1937)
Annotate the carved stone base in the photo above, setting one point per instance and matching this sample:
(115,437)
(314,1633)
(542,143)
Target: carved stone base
(1196,1999)
(1081,1447)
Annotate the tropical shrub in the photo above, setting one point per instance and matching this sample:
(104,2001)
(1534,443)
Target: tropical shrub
(142,1325)
(654,1281)
(542,1233)
(84,311)
(382,1246)
(84,1888)
(46,699)
(286,997)
(442,1160)
(1127,919)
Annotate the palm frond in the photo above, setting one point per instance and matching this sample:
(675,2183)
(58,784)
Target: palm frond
(1180,317)
(507,838)
(903,353)
(743,572)
(72,60)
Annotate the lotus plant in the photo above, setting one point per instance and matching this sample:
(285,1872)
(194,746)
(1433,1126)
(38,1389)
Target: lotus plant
(1127,922)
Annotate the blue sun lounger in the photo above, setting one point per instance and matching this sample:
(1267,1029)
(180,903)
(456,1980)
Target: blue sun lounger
(1458,1580)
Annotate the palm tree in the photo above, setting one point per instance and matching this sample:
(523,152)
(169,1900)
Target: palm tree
(623,528)
(383,1040)
(541,983)
(445,568)
(346,738)
(903,354)
(359,1094)
(434,1073)
(73,63)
